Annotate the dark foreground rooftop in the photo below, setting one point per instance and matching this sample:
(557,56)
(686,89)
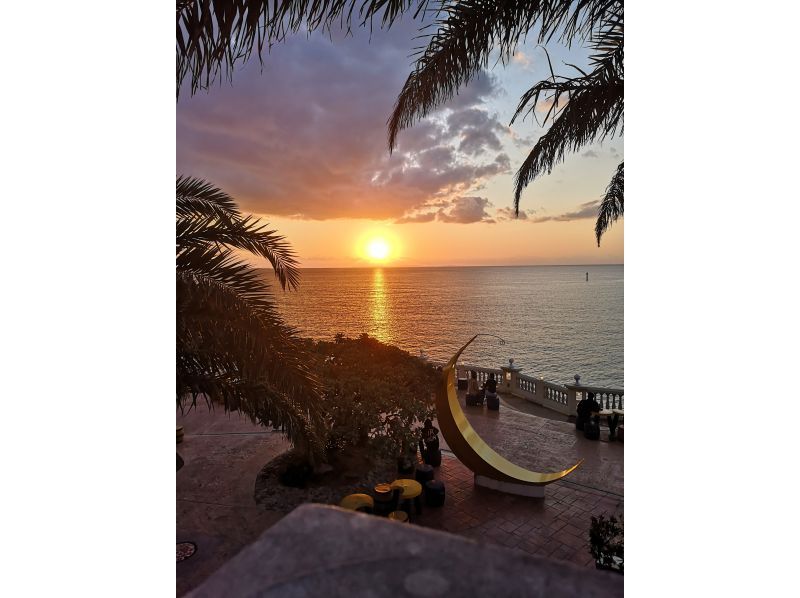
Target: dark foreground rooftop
(325,551)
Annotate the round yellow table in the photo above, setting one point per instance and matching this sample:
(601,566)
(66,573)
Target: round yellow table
(412,491)
(356,502)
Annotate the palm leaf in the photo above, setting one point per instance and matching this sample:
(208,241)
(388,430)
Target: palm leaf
(198,197)
(582,109)
(232,346)
(244,359)
(220,265)
(592,113)
(245,344)
(469,32)
(613,204)
(207,216)
(215,36)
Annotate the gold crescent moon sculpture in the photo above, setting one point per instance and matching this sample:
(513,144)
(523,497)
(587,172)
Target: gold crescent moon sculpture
(470,448)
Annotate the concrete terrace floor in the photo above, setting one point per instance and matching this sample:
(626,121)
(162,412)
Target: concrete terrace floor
(223,454)
(542,440)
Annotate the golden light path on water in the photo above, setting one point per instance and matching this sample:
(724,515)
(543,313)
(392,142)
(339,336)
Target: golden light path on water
(556,323)
(379,308)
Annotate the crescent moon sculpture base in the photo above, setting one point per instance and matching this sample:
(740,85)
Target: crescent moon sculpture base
(510,487)
(491,470)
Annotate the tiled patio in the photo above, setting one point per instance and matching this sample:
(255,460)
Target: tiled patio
(556,526)
(223,453)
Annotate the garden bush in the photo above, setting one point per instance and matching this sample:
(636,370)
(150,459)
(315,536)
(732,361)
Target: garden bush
(375,395)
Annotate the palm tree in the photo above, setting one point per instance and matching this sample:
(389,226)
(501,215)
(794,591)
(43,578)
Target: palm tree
(213,36)
(233,348)
(612,206)
(582,108)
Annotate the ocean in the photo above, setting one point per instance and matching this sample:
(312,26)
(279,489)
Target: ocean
(554,322)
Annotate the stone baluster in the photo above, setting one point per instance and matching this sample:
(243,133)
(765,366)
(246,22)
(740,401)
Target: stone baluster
(516,385)
(573,390)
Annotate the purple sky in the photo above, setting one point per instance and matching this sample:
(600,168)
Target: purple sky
(304,137)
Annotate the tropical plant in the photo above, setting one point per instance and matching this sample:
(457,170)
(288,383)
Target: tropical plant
(233,348)
(376,395)
(213,36)
(606,543)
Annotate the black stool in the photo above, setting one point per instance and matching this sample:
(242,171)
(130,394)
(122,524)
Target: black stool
(434,493)
(424,474)
(591,429)
(434,457)
(386,499)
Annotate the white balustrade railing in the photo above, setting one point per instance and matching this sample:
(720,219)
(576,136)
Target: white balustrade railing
(609,398)
(463,371)
(556,393)
(558,397)
(527,384)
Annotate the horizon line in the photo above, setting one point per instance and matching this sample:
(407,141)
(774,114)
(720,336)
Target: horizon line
(373,266)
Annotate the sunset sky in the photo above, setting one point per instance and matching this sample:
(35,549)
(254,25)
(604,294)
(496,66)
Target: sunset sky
(301,141)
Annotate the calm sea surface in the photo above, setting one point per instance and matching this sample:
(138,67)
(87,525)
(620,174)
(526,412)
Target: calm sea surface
(554,322)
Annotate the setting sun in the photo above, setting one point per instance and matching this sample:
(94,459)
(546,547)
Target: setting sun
(379,246)
(378,249)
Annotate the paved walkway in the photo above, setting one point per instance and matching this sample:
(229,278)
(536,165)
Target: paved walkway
(556,526)
(224,453)
(548,444)
(215,506)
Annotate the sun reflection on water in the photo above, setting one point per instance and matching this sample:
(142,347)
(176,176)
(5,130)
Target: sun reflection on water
(379,308)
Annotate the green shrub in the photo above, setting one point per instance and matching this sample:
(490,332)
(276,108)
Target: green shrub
(606,543)
(375,395)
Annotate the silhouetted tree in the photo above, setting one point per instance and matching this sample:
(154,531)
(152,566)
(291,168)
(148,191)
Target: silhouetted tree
(232,346)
